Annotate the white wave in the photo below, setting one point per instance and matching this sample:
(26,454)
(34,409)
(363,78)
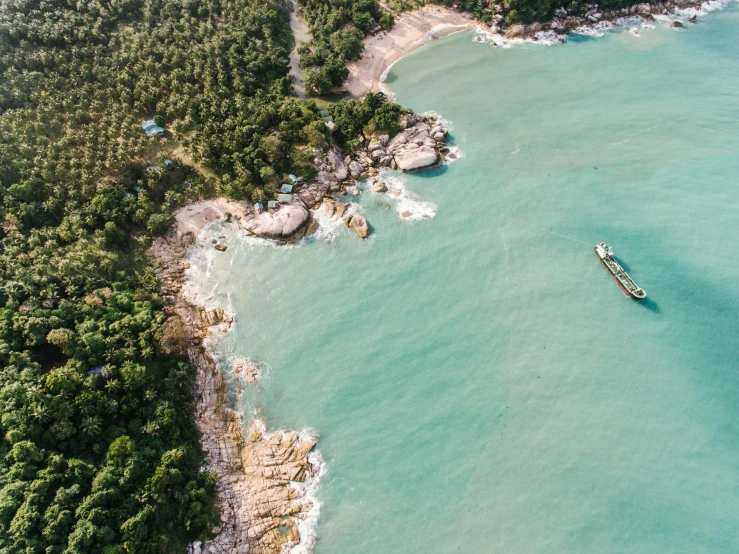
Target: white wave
(307,526)
(441,120)
(454,154)
(595,30)
(408,204)
(545,38)
(330,227)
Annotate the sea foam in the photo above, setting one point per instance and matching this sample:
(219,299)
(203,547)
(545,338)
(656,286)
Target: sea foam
(408,205)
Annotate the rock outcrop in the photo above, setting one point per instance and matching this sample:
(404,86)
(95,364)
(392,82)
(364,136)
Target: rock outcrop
(260,506)
(288,223)
(417,146)
(333,208)
(418,158)
(358,224)
(563,22)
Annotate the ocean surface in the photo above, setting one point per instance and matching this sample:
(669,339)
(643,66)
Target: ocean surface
(479,383)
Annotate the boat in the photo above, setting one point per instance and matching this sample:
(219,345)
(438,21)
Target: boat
(627,284)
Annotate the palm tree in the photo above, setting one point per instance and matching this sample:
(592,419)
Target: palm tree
(92,425)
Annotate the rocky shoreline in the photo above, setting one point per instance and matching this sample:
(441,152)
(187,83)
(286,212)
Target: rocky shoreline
(257,472)
(564,23)
(420,145)
(260,504)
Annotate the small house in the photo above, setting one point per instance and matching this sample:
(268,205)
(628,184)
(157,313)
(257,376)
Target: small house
(294,178)
(273,204)
(98,371)
(258,207)
(137,188)
(286,189)
(284,198)
(187,184)
(151,128)
(169,164)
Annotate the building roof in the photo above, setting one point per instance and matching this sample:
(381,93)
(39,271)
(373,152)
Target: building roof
(284,198)
(151,128)
(294,178)
(273,204)
(286,189)
(258,206)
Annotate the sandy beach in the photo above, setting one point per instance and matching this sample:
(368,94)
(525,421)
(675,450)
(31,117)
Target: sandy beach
(411,30)
(194,217)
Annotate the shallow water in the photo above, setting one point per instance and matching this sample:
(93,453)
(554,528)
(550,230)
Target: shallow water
(481,385)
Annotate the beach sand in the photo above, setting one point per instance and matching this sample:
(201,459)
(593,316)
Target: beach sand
(411,30)
(194,217)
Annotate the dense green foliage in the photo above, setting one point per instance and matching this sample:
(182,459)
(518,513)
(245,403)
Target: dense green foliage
(356,120)
(98,449)
(337,29)
(99,452)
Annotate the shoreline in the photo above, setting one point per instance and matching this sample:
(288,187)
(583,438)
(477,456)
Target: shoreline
(416,28)
(265,480)
(410,31)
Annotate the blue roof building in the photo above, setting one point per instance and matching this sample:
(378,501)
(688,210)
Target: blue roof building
(259,206)
(151,128)
(284,198)
(294,178)
(169,164)
(273,204)
(286,189)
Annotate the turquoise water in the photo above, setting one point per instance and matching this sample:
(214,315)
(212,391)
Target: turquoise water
(480,385)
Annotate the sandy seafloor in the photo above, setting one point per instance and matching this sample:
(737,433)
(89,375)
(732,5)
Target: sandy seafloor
(480,385)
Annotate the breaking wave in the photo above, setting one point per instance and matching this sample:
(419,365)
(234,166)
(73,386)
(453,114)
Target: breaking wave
(408,205)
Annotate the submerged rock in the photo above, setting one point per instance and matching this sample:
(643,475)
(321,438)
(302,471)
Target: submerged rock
(221,247)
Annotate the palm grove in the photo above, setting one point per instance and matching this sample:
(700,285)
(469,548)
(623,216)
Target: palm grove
(98,449)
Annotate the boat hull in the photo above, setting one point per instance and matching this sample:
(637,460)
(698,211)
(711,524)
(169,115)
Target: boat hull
(631,294)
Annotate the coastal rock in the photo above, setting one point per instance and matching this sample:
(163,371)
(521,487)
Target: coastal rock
(677,24)
(260,506)
(287,223)
(358,224)
(342,174)
(333,208)
(220,247)
(693,19)
(397,141)
(356,169)
(249,372)
(379,187)
(415,159)
(515,31)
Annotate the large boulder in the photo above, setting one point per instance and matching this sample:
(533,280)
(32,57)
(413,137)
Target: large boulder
(378,187)
(356,169)
(358,224)
(288,223)
(333,208)
(417,158)
(515,31)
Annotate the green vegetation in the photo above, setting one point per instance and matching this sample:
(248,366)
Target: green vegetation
(356,120)
(337,29)
(99,452)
